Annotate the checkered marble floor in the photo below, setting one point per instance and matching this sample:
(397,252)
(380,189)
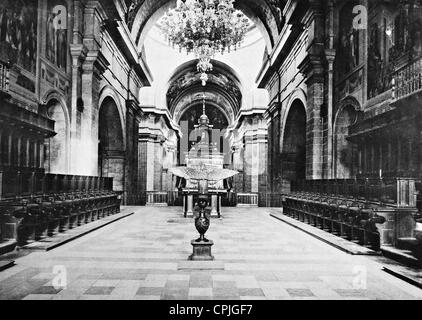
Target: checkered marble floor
(139,257)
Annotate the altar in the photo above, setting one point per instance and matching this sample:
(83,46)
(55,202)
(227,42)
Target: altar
(204,154)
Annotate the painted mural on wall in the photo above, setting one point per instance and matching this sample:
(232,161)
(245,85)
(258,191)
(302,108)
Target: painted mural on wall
(18,32)
(348,48)
(394,38)
(56,48)
(277,8)
(379,70)
(407,32)
(133,7)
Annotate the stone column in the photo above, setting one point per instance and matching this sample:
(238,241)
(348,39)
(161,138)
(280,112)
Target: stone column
(93,67)
(219,206)
(262,146)
(214,204)
(158,164)
(255,156)
(189,204)
(142,168)
(237,150)
(78,53)
(330,54)
(185,205)
(146,159)
(247,164)
(313,69)
(88,65)
(131,194)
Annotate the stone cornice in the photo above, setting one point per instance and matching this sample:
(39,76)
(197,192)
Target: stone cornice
(272,111)
(166,115)
(294,11)
(247,113)
(122,38)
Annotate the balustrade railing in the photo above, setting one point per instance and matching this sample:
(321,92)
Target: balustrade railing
(156,198)
(4,77)
(407,80)
(247,200)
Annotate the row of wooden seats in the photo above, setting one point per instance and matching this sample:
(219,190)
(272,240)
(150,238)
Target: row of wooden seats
(382,190)
(35,205)
(349,218)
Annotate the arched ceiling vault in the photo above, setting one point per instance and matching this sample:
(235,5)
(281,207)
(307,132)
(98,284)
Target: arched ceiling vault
(266,14)
(223,88)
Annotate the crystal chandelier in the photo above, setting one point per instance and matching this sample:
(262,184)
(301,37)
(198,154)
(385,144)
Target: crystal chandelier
(205,27)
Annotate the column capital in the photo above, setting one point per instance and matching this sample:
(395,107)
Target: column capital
(78,53)
(95,62)
(134,107)
(330,54)
(312,68)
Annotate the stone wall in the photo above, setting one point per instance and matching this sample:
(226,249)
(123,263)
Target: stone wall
(78,63)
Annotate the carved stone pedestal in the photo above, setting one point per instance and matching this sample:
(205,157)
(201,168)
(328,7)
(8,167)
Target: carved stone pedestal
(201,251)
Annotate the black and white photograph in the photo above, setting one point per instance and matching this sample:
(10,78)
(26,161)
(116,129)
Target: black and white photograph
(228,150)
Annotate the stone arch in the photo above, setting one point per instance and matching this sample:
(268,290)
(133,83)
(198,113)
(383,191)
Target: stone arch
(212,98)
(293,143)
(224,87)
(298,94)
(344,155)
(57,148)
(109,92)
(111,146)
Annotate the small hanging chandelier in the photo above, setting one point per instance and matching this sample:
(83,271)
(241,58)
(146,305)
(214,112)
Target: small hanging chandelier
(205,27)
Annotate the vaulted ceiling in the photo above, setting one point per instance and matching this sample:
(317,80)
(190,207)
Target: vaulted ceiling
(266,14)
(223,89)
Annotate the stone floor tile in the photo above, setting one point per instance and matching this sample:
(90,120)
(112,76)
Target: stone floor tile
(47,290)
(295,293)
(99,290)
(253,298)
(225,291)
(146,291)
(251,292)
(106,283)
(177,283)
(200,292)
(200,298)
(178,277)
(146,297)
(138,258)
(224,284)
(39,297)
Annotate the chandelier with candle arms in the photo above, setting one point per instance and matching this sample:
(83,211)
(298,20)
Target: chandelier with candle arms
(205,27)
